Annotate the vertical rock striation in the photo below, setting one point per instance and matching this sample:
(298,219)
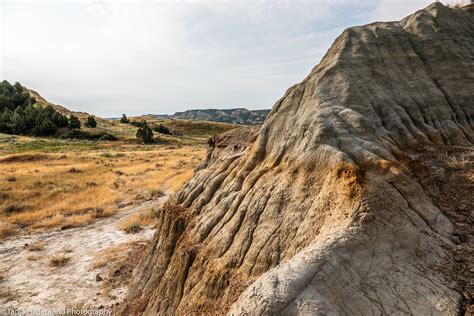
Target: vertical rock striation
(322,210)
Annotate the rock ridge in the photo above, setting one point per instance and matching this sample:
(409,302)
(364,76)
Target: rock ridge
(337,205)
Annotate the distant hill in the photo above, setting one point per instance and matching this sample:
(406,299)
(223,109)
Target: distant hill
(183,130)
(61,109)
(233,116)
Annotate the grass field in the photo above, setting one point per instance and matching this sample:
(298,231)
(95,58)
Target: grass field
(49,183)
(191,132)
(53,183)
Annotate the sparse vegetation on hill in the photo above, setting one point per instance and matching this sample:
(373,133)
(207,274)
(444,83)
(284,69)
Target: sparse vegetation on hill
(43,118)
(183,131)
(124,119)
(87,135)
(74,122)
(91,122)
(145,134)
(162,129)
(18,114)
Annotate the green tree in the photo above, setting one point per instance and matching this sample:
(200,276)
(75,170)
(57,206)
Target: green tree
(5,119)
(17,121)
(145,134)
(19,115)
(60,120)
(91,122)
(74,122)
(46,127)
(124,119)
(30,116)
(18,87)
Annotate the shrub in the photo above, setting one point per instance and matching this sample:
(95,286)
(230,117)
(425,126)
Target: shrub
(145,134)
(74,170)
(3,196)
(162,129)
(137,123)
(15,208)
(91,122)
(60,120)
(83,135)
(74,134)
(35,246)
(74,122)
(45,127)
(108,137)
(132,228)
(156,193)
(58,260)
(124,119)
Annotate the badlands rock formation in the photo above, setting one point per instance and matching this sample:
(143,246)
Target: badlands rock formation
(354,197)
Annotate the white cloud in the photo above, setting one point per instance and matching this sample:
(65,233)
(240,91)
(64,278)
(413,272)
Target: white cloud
(394,10)
(109,57)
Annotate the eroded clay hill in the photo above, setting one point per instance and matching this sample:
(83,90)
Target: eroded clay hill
(355,196)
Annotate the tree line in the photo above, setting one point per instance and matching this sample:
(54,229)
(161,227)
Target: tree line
(20,116)
(144,132)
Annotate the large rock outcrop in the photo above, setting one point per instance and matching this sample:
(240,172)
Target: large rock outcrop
(348,200)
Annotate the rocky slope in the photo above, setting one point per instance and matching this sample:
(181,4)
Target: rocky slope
(354,197)
(231,116)
(61,109)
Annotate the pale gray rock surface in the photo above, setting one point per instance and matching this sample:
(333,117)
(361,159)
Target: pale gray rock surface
(326,210)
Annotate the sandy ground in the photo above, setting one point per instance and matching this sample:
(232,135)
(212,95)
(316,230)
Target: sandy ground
(35,284)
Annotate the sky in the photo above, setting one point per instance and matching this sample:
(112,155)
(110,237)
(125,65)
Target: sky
(139,57)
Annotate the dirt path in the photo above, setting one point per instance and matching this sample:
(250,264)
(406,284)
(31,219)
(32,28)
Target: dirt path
(35,284)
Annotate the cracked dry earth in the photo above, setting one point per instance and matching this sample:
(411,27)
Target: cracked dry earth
(353,198)
(29,280)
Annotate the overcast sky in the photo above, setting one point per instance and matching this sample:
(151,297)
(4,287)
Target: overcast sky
(113,57)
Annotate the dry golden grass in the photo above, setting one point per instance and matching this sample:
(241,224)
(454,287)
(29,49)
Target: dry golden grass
(458,162)
(35,246)
(34,257)
(134,223)
(111,255)
(6,230)
(73,188)
(58,260)
(132,227)
(117,264)
(115,255)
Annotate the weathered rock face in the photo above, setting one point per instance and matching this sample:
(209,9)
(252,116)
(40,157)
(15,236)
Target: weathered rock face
(340,203)
(233,116)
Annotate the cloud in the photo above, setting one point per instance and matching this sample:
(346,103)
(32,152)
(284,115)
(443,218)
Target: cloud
(109,57)
(394,10)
